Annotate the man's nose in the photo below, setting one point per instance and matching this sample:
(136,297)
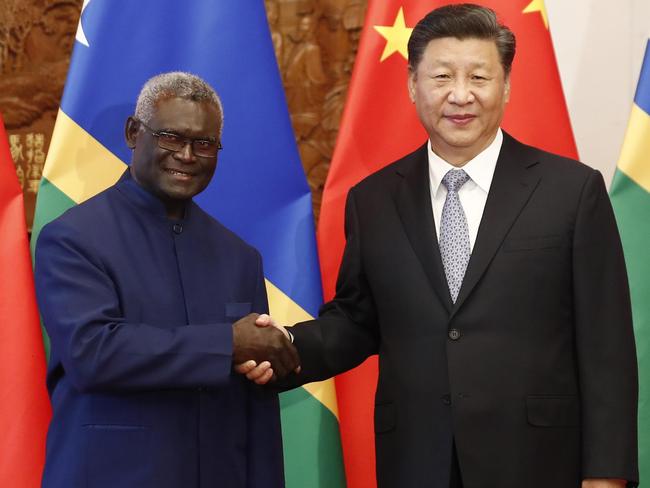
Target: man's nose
(461,93)
(185,153)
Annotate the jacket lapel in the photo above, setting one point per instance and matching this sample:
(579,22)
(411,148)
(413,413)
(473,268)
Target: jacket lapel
(413,201)
(512,186)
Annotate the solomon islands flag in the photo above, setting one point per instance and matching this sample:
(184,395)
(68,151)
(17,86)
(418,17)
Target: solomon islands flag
(259,189)
(630,195)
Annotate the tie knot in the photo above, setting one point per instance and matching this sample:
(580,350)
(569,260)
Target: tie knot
(454,179)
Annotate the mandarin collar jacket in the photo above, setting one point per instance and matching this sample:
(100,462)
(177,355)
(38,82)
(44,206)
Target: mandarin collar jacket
(139,310)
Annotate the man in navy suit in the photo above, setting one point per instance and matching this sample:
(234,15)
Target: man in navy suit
(148,301)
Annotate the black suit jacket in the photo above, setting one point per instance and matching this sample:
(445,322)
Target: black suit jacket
(532,371)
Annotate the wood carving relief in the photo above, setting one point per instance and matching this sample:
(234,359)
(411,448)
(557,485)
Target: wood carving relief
(36,38)
(315,43)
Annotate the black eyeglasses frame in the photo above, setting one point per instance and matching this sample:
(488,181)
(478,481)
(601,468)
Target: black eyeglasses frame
(158,133)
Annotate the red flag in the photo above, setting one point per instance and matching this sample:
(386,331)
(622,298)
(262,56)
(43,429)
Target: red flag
(380,125)
(24,404)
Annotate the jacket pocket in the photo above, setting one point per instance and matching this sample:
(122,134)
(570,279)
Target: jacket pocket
(531,243)
(553,410)
(385,417)
(118,455)
(237,310)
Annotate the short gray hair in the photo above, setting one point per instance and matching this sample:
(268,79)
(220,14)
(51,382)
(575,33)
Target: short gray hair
(175,84)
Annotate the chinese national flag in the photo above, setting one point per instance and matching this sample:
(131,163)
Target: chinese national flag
(380,125)
(24,404)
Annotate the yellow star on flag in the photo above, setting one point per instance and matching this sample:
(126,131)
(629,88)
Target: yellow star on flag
(538,6)
(396,35)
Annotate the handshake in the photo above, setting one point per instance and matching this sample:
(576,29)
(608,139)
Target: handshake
(262,350)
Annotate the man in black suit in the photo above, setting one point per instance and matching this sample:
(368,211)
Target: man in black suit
(489,277)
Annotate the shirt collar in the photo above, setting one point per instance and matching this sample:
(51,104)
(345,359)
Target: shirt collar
(480,169)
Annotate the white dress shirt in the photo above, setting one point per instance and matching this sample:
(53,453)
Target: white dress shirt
(472,194)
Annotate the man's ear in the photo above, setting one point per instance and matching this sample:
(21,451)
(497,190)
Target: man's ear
(131,131)
(507,89)
(411,85)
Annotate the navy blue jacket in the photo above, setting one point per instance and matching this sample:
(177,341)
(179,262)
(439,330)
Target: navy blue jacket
(139,310)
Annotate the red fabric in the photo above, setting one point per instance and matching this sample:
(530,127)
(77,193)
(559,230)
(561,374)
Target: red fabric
(24,404)
(380,125)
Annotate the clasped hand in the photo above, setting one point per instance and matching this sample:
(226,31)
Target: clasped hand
(262,350)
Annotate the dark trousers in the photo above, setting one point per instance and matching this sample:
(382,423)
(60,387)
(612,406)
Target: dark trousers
(455,480)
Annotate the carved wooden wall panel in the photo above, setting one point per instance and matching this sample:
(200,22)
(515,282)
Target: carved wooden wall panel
(315,43)
(36,38)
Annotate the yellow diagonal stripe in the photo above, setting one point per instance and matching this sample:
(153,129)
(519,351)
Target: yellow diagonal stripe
(286,312)
(635,154)
(77,163)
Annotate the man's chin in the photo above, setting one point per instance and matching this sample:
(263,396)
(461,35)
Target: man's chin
(456,142)
(175,194)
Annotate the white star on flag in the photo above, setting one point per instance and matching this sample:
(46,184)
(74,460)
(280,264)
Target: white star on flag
(81,36)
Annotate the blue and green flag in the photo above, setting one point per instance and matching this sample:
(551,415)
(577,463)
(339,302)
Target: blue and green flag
(630,194)
(259,189)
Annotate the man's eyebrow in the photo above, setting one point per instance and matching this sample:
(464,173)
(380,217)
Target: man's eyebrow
(179,134)
(447,63)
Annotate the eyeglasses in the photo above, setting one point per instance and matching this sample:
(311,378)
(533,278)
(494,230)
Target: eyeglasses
(204,148)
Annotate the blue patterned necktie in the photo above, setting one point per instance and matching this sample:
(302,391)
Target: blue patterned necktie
(454,234)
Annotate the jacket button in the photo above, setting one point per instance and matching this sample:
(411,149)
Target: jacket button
(177,228)
(454,334)
(445,399)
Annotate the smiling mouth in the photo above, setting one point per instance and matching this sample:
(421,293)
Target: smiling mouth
(178,173)
(461,119)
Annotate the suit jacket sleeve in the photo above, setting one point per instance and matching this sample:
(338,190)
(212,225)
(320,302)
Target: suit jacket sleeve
(346,331)
(605,341)
(97,347)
